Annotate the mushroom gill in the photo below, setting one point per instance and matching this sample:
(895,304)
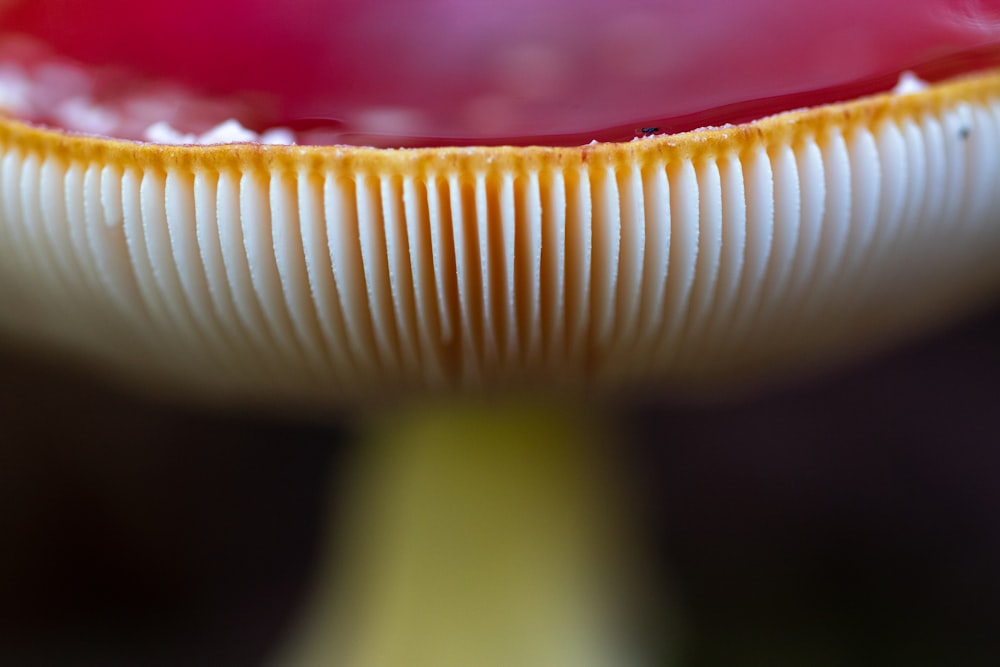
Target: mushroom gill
(337,274)
(529,278)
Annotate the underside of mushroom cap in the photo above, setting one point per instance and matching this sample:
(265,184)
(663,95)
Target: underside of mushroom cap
(333,274)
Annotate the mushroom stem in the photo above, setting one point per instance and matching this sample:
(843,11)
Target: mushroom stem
(477,535)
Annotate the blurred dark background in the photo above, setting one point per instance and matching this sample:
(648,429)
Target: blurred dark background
(851,521)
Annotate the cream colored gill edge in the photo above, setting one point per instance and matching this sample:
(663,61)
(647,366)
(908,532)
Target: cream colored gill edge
(329,273)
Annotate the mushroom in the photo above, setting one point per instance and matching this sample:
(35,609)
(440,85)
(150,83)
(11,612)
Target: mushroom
(474,301)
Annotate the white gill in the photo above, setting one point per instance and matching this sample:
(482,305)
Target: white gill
(331,284)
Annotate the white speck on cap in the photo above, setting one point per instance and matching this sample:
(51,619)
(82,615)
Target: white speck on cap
(14,90)
(908,84)
(83,115)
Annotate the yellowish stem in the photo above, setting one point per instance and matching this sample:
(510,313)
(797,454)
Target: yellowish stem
(479,536)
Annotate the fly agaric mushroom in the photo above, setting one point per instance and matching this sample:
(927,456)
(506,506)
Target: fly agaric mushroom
(328,274)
